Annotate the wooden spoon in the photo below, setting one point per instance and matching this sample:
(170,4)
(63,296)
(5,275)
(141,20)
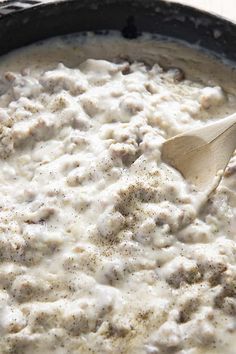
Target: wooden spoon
(201,155)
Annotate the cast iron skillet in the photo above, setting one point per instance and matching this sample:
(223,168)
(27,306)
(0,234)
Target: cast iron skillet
(24,22)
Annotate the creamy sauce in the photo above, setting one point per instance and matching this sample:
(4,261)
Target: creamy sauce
(104,248)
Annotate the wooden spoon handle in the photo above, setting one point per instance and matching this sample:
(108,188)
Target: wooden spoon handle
(214,130)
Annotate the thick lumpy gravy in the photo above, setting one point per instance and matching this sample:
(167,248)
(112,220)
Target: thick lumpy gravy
(104,248)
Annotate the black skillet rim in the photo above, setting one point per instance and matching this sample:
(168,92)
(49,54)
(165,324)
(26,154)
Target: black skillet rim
(28,21)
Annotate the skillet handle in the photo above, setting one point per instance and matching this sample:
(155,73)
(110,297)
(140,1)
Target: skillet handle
(11,6)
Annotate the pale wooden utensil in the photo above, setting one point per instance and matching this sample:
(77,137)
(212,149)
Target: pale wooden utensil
(201,155)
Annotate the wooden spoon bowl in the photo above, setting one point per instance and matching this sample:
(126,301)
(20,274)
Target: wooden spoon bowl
(201,155)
